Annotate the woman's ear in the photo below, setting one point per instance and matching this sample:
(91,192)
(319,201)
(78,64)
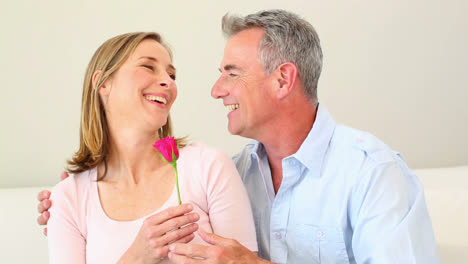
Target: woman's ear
(104,89)
(286,75)
(95,78)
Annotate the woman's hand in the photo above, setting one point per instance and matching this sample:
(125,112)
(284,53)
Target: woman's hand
(175,224)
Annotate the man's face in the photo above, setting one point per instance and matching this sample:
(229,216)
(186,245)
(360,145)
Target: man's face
(243,85)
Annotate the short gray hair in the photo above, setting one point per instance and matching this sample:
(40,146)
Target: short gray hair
(288,38)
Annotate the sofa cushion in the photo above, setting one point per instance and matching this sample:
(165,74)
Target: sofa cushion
(446,191)
(22,240)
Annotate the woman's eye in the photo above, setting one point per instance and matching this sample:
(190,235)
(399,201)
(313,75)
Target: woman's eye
(232,74)
(148,66)
(173,77)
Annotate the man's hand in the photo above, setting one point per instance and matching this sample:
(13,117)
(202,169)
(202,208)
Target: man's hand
(44,204)
(221,250)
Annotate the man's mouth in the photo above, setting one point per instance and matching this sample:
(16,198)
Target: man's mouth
(157,99)
(232,107)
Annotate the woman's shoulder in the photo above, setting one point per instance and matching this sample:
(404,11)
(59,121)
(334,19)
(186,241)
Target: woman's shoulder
(75,184)
(205,162)
(201,151)
(70,202)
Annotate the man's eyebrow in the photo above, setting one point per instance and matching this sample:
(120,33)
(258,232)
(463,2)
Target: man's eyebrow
(229,67)
(170,66)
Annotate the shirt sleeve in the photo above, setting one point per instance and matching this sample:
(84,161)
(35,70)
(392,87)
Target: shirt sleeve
(391,221)
(228,204)
(67,244)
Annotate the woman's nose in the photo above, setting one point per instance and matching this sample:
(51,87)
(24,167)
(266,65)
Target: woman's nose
(166,81)
(164,84)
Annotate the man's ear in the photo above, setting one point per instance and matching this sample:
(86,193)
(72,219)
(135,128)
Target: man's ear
(286,75)
(104,90)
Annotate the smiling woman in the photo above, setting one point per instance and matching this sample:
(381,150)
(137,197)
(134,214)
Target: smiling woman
(120,203)
(107,62)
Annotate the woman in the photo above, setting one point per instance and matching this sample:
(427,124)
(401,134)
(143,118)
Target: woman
(120,203)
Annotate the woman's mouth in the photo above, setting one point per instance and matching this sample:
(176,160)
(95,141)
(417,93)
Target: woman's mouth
(157,99)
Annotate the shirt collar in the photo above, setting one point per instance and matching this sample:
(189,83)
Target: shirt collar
(312,151)
(257,150)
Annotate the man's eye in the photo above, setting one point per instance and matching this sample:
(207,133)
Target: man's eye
(149,67)
(232,75)
(173,77)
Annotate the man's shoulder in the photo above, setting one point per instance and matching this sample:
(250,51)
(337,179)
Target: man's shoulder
(361,144)
(361,159)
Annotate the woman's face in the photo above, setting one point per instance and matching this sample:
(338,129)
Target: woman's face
(141,92)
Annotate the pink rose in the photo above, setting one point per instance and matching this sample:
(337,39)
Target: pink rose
(168,148)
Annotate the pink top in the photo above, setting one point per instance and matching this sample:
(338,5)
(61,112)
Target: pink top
(79,231)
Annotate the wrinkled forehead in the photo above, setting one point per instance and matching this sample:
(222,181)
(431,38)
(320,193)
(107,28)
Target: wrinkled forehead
(243,46)
(249,38)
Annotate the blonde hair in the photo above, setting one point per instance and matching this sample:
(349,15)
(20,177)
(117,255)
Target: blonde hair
(94,132)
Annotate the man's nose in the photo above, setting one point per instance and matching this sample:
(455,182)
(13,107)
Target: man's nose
(219,90)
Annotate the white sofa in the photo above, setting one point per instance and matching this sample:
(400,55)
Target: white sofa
(22,241)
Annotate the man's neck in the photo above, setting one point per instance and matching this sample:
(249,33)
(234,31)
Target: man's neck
(287,138)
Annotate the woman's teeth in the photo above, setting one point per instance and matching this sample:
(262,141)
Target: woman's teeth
(158,99)
(232,107)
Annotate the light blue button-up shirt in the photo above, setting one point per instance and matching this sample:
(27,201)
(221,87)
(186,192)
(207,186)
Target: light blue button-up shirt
(345,197)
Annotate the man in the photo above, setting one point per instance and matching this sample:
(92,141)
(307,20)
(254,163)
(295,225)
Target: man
(320,192)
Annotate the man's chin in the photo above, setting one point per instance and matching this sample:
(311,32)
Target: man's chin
(233,129)
(236,131)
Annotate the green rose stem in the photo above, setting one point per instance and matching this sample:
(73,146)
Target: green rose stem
(169,152)
(174,165)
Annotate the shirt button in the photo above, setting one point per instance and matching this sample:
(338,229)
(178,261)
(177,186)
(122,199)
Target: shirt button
(278,235)
(319,234)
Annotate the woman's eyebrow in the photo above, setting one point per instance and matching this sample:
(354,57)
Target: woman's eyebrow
(148,57)
(170,66)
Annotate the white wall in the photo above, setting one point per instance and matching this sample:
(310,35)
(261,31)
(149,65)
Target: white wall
(395,68)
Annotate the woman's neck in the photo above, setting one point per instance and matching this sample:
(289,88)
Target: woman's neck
(132,156)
